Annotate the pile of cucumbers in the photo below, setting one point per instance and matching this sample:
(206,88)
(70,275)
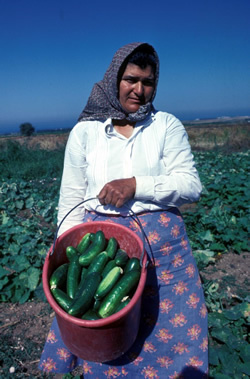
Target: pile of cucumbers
(98,280)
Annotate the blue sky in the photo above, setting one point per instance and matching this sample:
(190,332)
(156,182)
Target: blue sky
(53,51)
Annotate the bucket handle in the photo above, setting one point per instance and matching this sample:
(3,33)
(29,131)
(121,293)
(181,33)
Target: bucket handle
(132,214)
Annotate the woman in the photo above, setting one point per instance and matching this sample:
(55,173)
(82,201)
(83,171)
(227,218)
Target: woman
(127,155)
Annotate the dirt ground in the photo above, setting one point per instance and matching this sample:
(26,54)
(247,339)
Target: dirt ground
(24,327)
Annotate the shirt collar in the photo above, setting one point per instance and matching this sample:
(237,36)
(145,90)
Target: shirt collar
(109,128)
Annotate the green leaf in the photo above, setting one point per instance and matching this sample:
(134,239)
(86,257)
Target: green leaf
(5,218)
(21,263)
(14,248)
(217,246)
(222,376)
(245,353)
(24,297)
(17,294)
(29,203)
(203,257)
(221,334)
(217,320)
(22,238)
(232,314)
(229,360)
(3,272)
(19,204)
(33,278)
(207,236)
(3,282)
(213,356)
(245,368)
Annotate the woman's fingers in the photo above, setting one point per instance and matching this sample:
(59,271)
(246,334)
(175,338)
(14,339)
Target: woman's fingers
(117,192)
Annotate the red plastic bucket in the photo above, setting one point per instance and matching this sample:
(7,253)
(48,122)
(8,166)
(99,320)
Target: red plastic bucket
(105,339)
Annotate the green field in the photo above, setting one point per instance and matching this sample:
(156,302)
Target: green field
(216,226)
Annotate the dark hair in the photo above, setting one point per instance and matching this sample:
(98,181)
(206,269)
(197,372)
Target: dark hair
(142,57)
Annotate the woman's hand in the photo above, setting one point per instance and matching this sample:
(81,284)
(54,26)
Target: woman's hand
(117,192)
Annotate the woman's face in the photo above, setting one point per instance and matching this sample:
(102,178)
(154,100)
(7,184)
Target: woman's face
(136,87)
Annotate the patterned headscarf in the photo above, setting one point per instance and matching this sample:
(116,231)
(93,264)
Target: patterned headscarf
(104,102)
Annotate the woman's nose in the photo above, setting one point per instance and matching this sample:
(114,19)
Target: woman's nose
(139,88)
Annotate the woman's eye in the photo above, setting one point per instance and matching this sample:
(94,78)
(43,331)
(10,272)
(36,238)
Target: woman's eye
(131,81)
(148,83)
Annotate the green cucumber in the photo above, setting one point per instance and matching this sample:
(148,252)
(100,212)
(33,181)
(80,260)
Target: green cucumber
(122,288)
(90,315)
(112,247)
(96,305)
(59,276)
(82,303)
(132,264)
(108,282)
(121,258)
(84,243)
(123,304)
(61,298)
(111,264)
(92,236)
(98,263)
(71,252)
(94,249)
(73,276)
(83,274)
(81,284)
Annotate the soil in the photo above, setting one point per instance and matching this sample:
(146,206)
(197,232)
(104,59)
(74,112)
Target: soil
(232,272)
(24,327)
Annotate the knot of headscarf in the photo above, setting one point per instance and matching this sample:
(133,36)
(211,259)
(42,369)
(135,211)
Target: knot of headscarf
(103,101)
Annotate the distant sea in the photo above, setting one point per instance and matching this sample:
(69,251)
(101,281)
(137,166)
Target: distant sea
(57,125)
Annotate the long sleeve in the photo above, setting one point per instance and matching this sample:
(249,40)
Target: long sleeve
(74,182)
(180,181)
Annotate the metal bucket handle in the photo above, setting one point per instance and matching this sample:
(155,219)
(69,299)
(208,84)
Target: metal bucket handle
(132,214)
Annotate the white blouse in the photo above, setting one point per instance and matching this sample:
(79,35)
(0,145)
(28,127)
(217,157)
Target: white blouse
(157,154)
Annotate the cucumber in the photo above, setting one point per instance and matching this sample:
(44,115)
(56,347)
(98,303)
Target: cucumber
(98,263)
(112,247)
(83,244)
(61,298)
(71,252)
(92,236)
(121,258)
(108,282)
(83,274)
(82,303)
(90,315)
(59,276)
(122,288)
(123,304)
(82,279)
(111,264)
(132,264)
(96,305)
(73,276)
(94,249)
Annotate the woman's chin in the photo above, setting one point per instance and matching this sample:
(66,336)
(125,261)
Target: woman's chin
(133,108)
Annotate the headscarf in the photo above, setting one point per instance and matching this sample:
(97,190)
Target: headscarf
(104,103)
